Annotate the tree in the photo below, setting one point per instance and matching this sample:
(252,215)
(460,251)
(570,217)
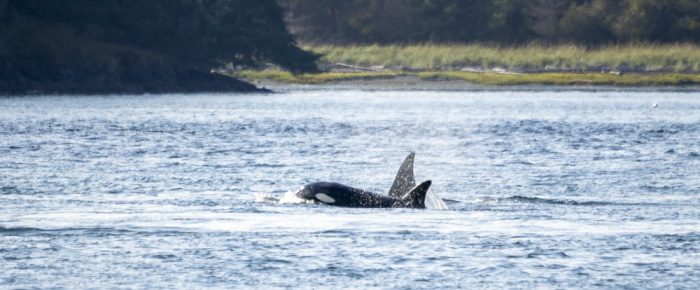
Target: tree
(586,23)
(3,10)
(314,20)
(686,26)
(545,16)
(508,23)
(589,22)
(141,44)
(449,20)
(380,21)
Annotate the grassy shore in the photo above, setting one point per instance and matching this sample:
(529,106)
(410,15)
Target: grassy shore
(488,78)
(629,65)
(319,78)
(636,57)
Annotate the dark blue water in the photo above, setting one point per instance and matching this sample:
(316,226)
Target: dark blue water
(549,189)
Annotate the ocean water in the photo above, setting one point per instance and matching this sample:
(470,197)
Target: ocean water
(545,188)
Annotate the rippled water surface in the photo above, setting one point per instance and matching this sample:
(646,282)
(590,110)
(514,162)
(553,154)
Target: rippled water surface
(561,189)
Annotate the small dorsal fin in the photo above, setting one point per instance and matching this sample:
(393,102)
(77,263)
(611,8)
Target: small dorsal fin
(415,198)
(404,180)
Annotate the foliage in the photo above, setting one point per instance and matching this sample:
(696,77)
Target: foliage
(206,32)
(589,22)
(151,43)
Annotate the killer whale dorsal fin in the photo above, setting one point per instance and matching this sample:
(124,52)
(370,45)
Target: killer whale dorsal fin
(415,198)
(404,180)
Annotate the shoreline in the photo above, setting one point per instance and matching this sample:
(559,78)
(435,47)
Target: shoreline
(457,80)
(415,84)
(186,82)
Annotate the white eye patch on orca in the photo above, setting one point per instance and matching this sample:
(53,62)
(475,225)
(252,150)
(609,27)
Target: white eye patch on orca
(324,198)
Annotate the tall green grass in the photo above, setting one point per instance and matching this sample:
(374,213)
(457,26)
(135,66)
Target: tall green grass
(642,57)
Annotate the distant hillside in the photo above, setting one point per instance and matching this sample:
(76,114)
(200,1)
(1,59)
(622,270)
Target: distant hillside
(123,46)
(509,22)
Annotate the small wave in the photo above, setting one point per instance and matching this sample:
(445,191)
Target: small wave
(289,197)
(55,231)
(90,231)
(335,232)
(451,201)
(9,189)
(547,254)
(163,256)
(265,198)
(17,230)
(527,199)
(434,202)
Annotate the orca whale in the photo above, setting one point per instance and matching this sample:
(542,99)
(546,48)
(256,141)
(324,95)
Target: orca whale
(337,194)
(404,192)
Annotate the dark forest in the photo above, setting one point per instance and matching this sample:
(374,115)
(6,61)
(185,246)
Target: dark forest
(139,46)
(587,22)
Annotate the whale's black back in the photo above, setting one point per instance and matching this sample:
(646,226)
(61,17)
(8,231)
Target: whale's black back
(337,194)
(343,195)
